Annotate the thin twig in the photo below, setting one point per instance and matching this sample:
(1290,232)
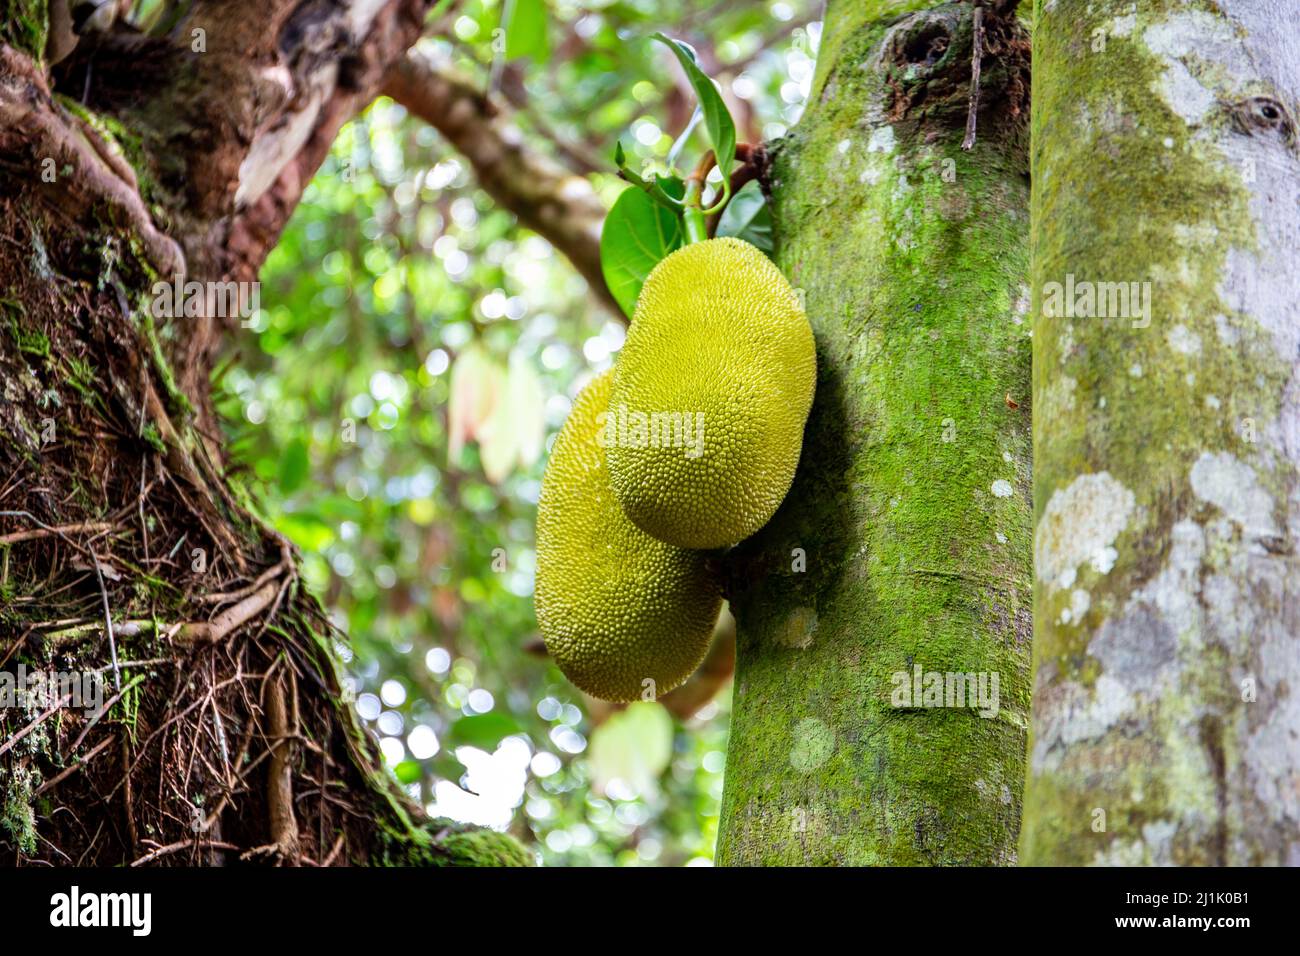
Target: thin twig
(977,54)
(144,525)
(104,710)
(59,778)
(108,624)
(16,536)
(8,744)
(99,574)
(181,845)
(129,804)
(50,529)
(334,853)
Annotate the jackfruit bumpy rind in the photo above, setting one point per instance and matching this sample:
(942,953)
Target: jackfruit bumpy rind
(719,335)
(616,606)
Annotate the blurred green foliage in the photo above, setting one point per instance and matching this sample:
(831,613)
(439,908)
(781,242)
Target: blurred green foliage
(398,275)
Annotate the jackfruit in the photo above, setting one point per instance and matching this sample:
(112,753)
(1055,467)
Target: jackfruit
(710,396)
(617,608)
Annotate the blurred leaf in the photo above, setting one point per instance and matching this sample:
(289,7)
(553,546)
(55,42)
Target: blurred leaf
(307,531)
(476,385)
(525,24)
(637,234)
(496,444)
(408,771)
(483,730)
(294,464)
(446,766)
(633,746)
(717,120)
(748,217)
(514,432)
(528,400)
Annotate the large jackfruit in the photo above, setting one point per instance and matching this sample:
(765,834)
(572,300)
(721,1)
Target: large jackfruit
(617,608)
(710,396)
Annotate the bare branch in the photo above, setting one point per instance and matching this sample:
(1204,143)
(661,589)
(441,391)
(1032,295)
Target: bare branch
(560,207)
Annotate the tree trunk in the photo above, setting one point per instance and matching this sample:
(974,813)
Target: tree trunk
(126,551)
(911,507)
(1167,435)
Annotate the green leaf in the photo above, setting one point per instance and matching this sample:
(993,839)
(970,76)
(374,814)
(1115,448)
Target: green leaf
(306,530)
(637,234)
(525,24)
(748,217)
(484,731)
(446,766)
(294,465)
(721,127)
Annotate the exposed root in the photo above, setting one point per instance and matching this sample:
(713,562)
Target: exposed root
(977,54)
(85,176)
(225,736)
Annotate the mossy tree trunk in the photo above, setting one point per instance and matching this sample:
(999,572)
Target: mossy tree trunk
(1167,435)
(125,548)
(903,547)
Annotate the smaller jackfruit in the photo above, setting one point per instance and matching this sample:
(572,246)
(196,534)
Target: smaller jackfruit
(617,608)
(710,396)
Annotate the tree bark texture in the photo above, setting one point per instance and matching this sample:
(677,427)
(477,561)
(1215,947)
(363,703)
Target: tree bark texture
(1167,440)
(126,549)
(911,506)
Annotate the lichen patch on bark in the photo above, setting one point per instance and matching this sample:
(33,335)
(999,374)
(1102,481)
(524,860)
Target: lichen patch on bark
(1079,526)
(1164,152)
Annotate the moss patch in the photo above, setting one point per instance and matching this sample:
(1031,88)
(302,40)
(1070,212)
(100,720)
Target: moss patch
(23,26)
(912,498)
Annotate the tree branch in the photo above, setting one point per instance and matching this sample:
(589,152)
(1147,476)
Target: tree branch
(560,207)
(977,54)
(262,216)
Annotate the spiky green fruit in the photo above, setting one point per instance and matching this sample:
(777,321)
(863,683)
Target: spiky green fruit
(711,393)
(620,611)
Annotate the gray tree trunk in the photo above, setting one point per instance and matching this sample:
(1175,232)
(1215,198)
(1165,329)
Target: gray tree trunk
(1166,724)
(904,544)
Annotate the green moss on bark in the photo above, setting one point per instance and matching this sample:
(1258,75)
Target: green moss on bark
(912,499)
(445,843)
(24,25)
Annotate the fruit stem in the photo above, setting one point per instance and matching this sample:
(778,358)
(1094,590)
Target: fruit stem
(697,229)
(693,220)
